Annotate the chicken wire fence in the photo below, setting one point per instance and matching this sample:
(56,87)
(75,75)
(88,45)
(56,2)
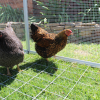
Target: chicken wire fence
(83,18)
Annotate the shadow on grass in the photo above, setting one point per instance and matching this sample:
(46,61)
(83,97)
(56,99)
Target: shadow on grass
(4,79)
(40,65)
(36,66)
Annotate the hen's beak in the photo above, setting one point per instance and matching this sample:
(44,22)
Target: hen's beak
(72,33)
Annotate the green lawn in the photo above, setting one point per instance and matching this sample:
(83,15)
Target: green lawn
(87,52)
(53,80)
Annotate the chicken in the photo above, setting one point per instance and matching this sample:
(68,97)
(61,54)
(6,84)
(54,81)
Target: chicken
(48,44)
(11,49)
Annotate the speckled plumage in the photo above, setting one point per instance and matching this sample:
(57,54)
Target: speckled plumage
(11,49)
(50,51)
(48,44)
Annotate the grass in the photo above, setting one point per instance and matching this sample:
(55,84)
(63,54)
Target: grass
(87,52)
(53,80)
(84,51)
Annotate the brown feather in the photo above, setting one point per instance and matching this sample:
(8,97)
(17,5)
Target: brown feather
(48,44)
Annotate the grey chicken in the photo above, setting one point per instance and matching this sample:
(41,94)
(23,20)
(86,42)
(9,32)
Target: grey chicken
(11,49)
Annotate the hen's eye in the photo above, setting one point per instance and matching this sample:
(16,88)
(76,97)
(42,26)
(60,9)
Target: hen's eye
(0,35)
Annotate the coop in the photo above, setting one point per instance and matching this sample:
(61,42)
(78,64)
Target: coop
(74,72)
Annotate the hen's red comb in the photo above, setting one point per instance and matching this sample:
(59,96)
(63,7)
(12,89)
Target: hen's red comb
(0,36)
(69,30)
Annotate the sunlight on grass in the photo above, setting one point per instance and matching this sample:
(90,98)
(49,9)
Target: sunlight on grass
(87,52)
(55,79)
(32,45)
(84,51)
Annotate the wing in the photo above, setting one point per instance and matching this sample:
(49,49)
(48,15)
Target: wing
(47,39)
(41,36)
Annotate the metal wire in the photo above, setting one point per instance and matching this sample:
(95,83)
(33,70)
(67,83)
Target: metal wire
(50,82)
(76,83)
(64,18)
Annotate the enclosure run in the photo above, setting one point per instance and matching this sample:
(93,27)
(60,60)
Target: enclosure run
(74,73)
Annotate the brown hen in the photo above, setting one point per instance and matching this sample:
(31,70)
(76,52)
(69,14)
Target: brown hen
(48,44)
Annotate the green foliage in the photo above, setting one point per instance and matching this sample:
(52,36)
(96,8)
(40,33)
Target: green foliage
(34,19)
(7,13)
(52,11)
(91,12)
(58,11)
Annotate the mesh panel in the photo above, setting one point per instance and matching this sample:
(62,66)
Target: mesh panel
(81,16)
(56,79)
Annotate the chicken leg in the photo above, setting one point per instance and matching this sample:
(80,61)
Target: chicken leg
(55,56)
(8,72)
(18,68)
(47,59)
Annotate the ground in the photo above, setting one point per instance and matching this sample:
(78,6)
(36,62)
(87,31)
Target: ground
(53,80)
